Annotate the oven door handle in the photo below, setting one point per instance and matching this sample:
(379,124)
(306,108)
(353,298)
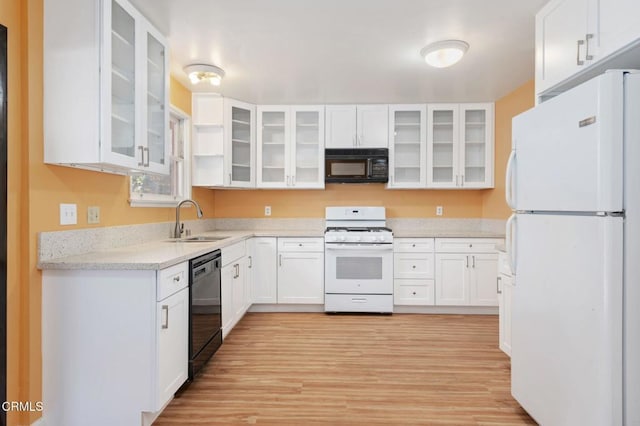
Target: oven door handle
(367,247)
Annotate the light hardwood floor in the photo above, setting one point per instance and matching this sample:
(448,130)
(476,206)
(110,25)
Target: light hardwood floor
(318,369)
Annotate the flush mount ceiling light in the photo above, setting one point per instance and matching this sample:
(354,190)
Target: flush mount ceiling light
(204,72)
(444,53)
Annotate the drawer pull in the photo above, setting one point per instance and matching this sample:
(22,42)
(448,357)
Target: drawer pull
(176,278)
(413,266)
(413,245)
(300,245)
(165,309)
(414,293)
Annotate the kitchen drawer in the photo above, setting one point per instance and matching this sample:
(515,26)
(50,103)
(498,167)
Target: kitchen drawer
(358,303)
(233,252)
(504,265)
(467,245)
(413,265)
(414,292)
(301,244)
(172,279)
(413,245)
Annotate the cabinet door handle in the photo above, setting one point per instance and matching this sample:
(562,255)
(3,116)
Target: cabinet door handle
(165,309)
(176,278)
(498,285)
(141,162)
(578,61)
(280,260)
(587,56)
(293,180)
(250,262)
(229,178)
(467,261)
(474,262)
(146,163)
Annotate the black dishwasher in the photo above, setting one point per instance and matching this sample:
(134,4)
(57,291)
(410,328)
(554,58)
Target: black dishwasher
(205,310)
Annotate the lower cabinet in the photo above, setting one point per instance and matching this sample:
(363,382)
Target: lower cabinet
(505,295)
(300,270)
(173,313)
(114,343)
(413,275)
(234,289)
(466,271)
(263,271)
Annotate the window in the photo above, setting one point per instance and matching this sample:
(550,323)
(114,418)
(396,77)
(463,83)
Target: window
(150,190)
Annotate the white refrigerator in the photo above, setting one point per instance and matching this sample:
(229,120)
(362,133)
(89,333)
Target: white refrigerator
(573,182)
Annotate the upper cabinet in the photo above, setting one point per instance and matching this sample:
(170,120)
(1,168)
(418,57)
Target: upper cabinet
(223,142)
(357,126)
(114,83)
(407,146)
(290,146)
(574,36)
(460,146)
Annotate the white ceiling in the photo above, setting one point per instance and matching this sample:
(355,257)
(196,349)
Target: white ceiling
(349,51)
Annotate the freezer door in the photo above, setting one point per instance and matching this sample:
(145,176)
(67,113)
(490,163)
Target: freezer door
(566,353)
(568,150)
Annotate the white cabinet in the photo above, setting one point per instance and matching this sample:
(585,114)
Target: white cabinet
(357,126)
(505,297)
(173,313)
(223,142)
(263,253)
(106,92)
(413,271)
(301,270)
(407,146)
(234,287)
(573,36)
(126,330)
(290,146)
(465,272)
(460,144)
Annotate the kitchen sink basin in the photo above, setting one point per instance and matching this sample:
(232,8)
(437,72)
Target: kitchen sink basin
(197,239)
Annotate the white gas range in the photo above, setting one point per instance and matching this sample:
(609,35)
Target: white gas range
(358,260)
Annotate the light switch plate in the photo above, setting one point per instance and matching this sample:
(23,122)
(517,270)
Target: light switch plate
(68,214)
(93,214)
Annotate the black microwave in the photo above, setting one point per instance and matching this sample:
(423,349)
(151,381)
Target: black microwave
(356,165)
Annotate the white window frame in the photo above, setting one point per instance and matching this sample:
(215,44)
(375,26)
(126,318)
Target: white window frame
(161,200)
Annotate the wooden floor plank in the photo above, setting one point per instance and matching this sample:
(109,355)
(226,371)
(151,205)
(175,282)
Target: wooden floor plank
(318,369)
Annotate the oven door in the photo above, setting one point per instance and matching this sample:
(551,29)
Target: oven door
(358,268)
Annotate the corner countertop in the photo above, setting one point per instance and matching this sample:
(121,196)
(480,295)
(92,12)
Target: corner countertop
(162,253)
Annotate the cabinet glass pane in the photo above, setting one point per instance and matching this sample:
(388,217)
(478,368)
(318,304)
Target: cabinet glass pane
(475,145)
(406,134)
(273,137)
(155,100)
(307,146)
(240,144)
(122,82)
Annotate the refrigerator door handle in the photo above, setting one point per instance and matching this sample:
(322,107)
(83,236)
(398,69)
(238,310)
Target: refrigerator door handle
(509,180)
(510,240)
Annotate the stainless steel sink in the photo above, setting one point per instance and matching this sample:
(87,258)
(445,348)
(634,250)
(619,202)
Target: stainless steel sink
(197,239)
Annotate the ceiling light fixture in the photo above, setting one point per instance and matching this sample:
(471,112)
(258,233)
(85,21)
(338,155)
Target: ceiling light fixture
(204,72)
(442,54)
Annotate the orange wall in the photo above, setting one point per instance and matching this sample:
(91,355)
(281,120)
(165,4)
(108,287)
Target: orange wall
(520,100)
(309,203)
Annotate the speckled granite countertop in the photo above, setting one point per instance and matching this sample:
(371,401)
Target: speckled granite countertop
(163,253)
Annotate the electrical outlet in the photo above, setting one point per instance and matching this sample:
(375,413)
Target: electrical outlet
(68,214)
(267,210)
(439,210)
(93,214)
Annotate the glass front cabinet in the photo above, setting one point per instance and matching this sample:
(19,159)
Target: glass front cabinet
(407,146)
(460,146)
(290,146)
(115,87)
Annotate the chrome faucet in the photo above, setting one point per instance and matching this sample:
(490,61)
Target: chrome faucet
(179,229)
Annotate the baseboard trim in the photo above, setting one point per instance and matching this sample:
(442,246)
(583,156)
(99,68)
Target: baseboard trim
(453,310)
